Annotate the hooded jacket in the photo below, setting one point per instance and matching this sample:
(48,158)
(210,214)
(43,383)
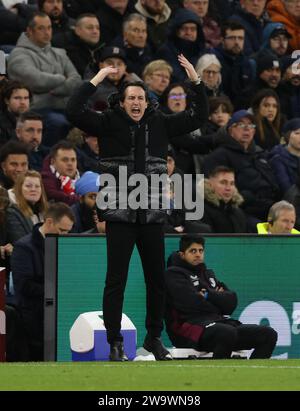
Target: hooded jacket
(157,25)
(192,50)
(47,71)
(140,146)
(278,13)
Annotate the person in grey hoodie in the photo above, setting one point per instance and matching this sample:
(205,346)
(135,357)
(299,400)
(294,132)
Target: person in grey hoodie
(46,70)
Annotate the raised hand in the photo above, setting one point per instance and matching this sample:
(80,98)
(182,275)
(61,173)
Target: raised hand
(102,73)
(189,68)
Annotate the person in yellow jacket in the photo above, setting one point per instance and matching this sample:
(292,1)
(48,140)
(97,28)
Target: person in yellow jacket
(281,220)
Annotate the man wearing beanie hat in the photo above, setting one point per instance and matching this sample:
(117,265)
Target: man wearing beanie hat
(268,75)
(85,210)
(135,135)
(285,159)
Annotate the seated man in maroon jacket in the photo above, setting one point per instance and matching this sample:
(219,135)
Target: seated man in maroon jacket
(199,306)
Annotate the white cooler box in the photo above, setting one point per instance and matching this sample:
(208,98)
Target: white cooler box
(88,337)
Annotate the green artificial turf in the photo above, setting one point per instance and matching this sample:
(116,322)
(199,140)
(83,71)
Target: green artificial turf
(195,375)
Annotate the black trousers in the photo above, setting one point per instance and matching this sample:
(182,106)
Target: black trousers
(222,339)
(121,239)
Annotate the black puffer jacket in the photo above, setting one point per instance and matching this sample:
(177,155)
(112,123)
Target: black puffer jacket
(141,146)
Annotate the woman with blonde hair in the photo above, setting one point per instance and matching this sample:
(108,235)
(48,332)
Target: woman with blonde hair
(208,68)
(157,76)
(30,208)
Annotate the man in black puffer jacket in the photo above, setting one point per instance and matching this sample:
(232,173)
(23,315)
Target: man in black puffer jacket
(135,136)
(199,306)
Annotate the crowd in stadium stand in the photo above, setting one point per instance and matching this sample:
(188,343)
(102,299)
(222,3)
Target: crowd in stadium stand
(246,55)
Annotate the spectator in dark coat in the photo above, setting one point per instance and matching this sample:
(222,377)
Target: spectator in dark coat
(83,43)
(222,203)
(111,15)
(268,75)
(134,42)
(236,68)
(29,131)
(61,22)
(13,22)
(158,18)
(254,177)
(6,247)
(289,91)
(254,18)
(285,159)
(15,100)
(89,153)
(185,37)
(13,162)
(28,274)
(209,19)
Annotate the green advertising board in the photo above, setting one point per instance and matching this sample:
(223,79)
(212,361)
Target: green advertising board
(263,270)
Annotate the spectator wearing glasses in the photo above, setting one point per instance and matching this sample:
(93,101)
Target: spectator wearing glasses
(276,39)
(209,69)
(157,76)
(236,68)
(281,219)
(288,13)
(186,37)
(254,177)
(176,99)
